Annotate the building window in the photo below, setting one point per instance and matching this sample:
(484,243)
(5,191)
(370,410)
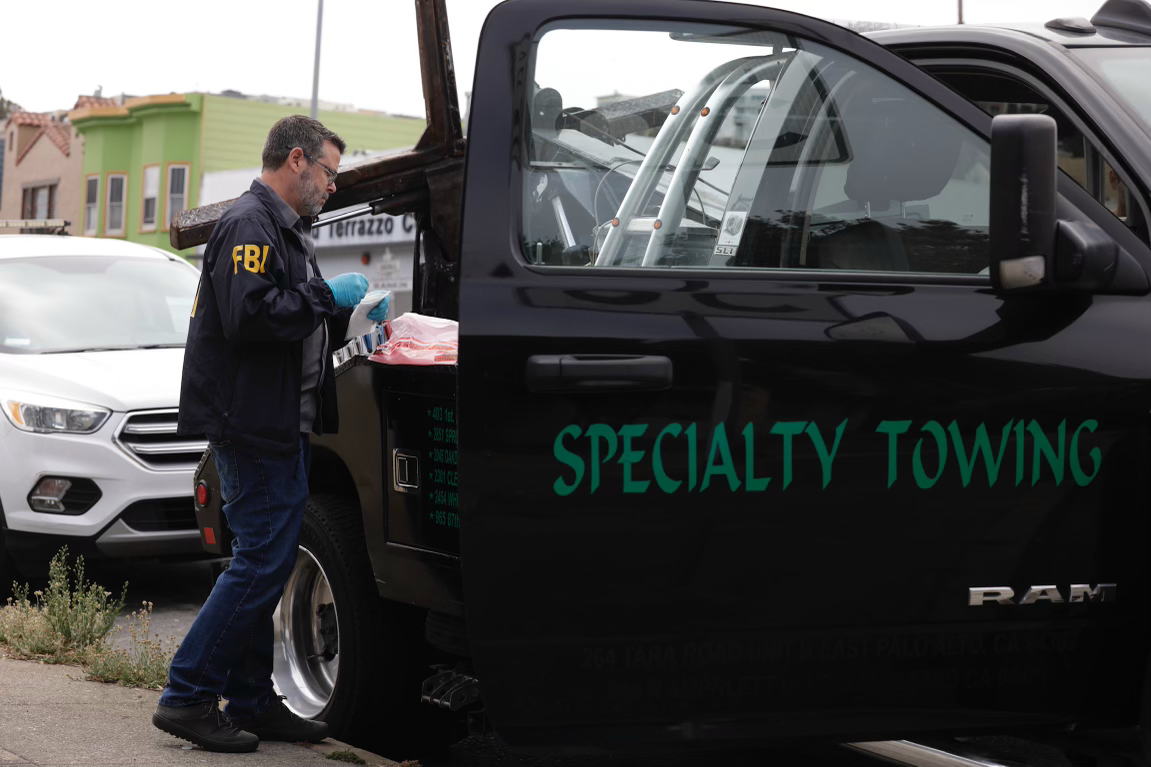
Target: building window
(151,198)
(38,201)
(177,191)
(114,209)
(91,204)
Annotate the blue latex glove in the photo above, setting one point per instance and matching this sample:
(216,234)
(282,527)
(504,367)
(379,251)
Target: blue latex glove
(379,313)
(348,289)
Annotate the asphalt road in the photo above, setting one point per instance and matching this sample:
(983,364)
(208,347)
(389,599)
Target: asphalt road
(178,589)
(175,589)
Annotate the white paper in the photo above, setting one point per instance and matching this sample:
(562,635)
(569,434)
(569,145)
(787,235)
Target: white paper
(359,324)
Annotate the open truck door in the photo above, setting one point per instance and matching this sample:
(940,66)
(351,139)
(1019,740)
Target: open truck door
(752,445)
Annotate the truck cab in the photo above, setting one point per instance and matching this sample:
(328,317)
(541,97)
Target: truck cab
(1084,76)
(802,393)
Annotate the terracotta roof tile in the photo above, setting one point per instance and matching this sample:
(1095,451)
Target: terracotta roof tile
(60,134)
(95,101)
(29,118)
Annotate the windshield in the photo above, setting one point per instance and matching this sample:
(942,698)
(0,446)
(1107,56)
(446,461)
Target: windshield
(77,303)
(1127,71)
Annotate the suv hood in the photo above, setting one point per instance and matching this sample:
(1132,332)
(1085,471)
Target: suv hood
(134,379)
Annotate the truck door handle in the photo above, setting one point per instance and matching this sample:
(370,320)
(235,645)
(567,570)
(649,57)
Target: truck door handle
(598,372)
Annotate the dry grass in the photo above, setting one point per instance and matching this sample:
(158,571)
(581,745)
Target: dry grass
(144,664)
(25,631)
(72,621)
(64,620)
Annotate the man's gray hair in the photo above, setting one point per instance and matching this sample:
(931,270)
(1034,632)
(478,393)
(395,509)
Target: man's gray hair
(297,131)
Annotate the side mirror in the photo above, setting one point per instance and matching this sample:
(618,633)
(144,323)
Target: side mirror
(1030,249)
(1022,221)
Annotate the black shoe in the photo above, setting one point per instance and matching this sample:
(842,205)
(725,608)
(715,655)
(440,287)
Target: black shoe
(278,723)
(205,725)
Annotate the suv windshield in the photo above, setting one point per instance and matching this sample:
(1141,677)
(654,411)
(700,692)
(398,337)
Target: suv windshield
(1127,71)
(79,303)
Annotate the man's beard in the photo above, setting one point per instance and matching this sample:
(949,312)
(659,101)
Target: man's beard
(311,197)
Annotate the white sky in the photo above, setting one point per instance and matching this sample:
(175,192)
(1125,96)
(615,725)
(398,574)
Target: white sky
(369,55)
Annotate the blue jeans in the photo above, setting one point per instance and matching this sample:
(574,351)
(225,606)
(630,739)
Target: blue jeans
(228,650)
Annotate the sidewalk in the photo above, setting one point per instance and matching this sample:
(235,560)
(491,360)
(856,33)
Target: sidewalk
(51,716)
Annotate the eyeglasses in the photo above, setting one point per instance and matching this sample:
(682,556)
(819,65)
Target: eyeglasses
(331,173)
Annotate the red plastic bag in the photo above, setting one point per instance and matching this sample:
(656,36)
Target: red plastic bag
(417,339)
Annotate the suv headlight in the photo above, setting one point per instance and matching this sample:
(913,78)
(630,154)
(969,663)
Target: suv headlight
(52,415)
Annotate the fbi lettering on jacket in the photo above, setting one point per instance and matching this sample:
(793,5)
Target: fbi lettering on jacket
(253,258)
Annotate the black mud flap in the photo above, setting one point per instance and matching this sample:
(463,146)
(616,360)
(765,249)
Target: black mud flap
(215,536)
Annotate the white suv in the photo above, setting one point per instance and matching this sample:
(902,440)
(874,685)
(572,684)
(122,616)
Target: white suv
(92,336)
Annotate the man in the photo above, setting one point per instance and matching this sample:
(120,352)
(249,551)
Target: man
(257,379)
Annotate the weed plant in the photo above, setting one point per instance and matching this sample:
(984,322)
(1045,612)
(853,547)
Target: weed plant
(72,621)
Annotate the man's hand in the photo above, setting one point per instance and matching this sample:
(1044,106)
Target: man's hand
(348,289)
(379,312)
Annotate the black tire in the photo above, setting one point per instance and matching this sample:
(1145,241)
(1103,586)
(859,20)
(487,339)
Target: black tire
(382,656)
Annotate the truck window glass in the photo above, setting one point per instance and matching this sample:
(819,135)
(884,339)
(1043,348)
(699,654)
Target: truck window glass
(1113,192)
(1126,72)
(707,147)
(997,94)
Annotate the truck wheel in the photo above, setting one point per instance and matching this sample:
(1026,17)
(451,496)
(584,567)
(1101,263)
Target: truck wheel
(342,654)
(327,621)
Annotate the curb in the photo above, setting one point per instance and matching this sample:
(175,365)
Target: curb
(330,745)
(147,697)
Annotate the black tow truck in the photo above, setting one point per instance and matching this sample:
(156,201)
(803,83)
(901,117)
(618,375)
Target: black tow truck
(803,393)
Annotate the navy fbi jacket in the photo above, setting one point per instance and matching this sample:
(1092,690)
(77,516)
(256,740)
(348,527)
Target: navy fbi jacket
(254,307)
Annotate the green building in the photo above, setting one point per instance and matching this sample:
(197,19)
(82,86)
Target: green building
(144,158)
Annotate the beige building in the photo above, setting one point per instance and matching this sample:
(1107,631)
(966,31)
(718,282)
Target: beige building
(43,167)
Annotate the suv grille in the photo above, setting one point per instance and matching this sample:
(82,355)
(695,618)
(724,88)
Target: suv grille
(162,514)
(150,437)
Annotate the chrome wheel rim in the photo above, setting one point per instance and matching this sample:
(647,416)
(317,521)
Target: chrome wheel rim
(306,658)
